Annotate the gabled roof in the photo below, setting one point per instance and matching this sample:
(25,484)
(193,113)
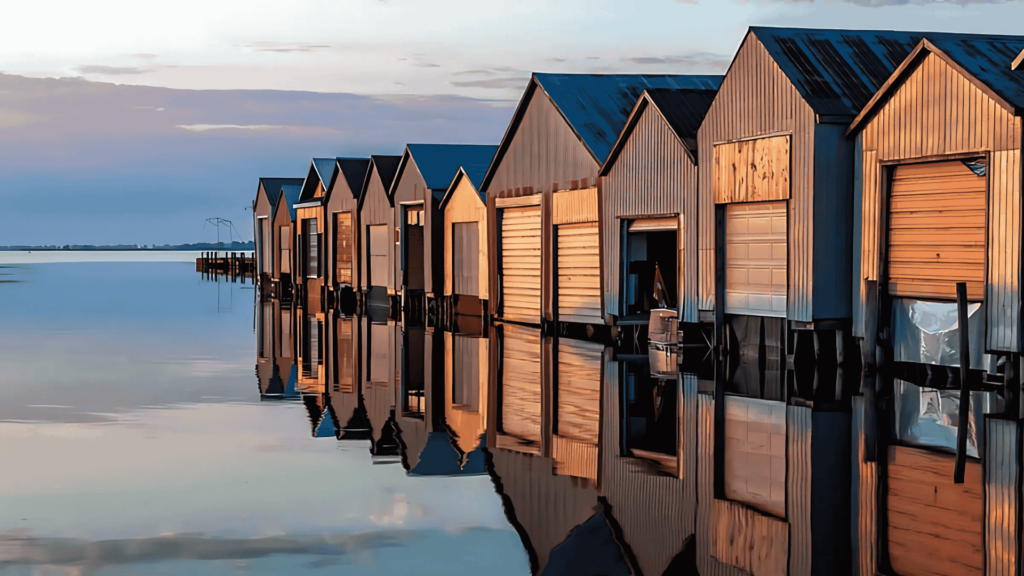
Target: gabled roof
(985,60)
(272,187)
(455,184)
(595,106)
(321,171)
(386,167)
(291,197)
(354,172)
(437,162)
(683,110)
(440,458)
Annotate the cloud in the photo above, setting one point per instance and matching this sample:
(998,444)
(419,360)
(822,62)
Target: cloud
(426,65)
(112,70)
(473,73)
(285,47)
(29,551)
(515,82)
(704,61)
(554,60)
(146,56)
(205,127)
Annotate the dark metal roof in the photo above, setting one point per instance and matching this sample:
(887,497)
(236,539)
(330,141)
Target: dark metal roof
(354,171)
(438,162)
(987,58)
(321,171)
(597,106)
(291,196)
(272,186)
(683,110)
(387,167)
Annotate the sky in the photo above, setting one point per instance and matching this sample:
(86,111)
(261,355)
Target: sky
(129,123)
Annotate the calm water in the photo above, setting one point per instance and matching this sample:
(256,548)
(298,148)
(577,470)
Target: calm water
(133,439)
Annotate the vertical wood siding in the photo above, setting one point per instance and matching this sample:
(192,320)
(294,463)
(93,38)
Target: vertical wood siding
(653,175)
(465,206)
(544,155)
(798,489)
(1002,497)
(756,99)
(938,112)
(339,200)
(707,564)
(376,210)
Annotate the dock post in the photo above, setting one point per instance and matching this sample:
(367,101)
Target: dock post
(965,391)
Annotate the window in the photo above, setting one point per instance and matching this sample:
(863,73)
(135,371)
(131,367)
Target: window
(312,249)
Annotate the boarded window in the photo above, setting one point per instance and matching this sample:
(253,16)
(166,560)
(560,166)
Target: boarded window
(378,251)
(937,231)
(466,258)
(286,253)
(343,248)
(579,273)
(755,259)
(520,263)
(755,453)
(520,383)
(752,170)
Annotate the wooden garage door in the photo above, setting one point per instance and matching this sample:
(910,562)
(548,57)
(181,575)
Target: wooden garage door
(755,259)
(521,383)
(520,263)
(466,258)
(579,273)
(378,251)
(935,526)
(936,231)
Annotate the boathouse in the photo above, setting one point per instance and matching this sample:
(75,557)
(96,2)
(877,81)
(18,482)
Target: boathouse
(542,191)
(342,215)
(422,179)
(376,240)
(775,241)
(264,210)
(649,207)
(283,255)
(938,201)
(466,261)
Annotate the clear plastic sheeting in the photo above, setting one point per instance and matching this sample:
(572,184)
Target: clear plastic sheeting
(928,332)
(929,417)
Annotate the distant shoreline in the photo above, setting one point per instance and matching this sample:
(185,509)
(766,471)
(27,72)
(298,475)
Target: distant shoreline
(237,247)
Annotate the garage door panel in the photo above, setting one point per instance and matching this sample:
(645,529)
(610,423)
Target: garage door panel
(756,259)
(520,263)
(937,231)
(579,272)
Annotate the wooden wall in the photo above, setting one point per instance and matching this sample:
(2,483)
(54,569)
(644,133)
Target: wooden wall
(937,112)
(263,208)
(465,206)
(653,175)
(376,210)
(756,99)
(544,154)
(341,199)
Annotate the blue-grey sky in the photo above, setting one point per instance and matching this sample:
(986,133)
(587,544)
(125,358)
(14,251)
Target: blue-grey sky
(171,116)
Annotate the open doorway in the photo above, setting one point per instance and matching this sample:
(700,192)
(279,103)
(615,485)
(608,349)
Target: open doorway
(412,247)
(650,267)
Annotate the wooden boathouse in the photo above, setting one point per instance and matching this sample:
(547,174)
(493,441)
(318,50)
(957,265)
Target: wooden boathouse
(649,207)
(284,251)
(466,258)
(376,239)
(268,244)
(776,221)
(938,185)
(341,211)
(422,179)
(542,192)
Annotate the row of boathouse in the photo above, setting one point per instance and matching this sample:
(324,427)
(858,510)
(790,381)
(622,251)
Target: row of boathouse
(825,196)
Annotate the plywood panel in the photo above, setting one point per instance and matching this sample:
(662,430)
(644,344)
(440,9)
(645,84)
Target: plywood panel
(465,206)
(574,206)
(749,541)
(466,249)
(752,170)
(935,526)
(579,273)
(521,263)
(936,231)
(756,259)
(378,246)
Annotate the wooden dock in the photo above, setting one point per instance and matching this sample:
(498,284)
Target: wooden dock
(233,265)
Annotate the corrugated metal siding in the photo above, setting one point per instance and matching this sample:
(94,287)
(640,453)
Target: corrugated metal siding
(376,210)
(865,498)
(707,565)
(652,176)
(544,155)
(543,507)
(937,112)
(798,489)
(756,78)
(1002,497)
